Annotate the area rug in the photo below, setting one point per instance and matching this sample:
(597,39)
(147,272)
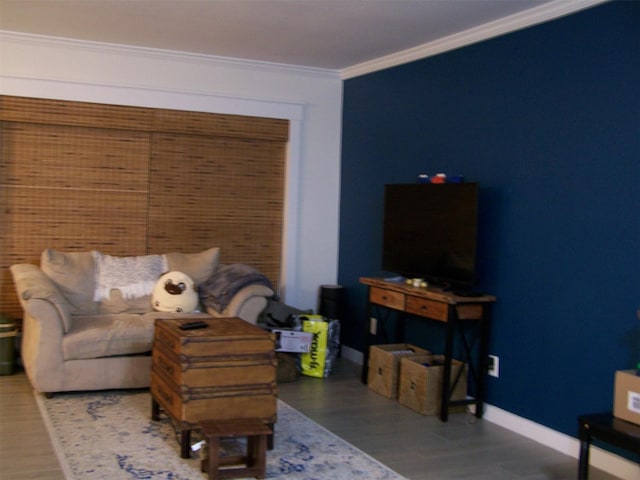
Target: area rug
(110,435)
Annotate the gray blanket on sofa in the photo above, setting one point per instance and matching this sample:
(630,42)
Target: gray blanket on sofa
(218,290)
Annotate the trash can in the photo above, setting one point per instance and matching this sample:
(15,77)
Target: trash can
(331,304)
(7,345)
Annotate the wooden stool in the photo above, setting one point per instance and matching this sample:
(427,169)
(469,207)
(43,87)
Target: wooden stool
(254,462)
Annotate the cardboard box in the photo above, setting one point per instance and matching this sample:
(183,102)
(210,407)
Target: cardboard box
(626,397)
(384,366)
(292,341)
(421,382)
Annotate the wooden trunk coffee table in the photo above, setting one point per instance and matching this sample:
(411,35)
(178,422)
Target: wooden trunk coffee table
(225,371)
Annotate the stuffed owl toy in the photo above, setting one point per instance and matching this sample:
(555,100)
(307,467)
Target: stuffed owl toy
(174,292)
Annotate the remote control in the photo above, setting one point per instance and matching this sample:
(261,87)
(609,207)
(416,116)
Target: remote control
(193,325)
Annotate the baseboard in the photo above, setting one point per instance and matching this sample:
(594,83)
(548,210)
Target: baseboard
(599,458)
(352,355)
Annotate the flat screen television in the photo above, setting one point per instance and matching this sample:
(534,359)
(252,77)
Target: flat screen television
(430,232)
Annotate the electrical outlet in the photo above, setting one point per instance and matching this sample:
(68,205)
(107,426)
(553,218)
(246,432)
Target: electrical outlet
(494,366)
(373,325)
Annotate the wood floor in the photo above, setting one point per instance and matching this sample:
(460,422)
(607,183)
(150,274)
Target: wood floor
(25,449)
(420,448)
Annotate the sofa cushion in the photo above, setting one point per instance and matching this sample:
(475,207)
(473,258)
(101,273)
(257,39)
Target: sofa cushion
(96,336)
(116,303)
(73,273)
(199,266)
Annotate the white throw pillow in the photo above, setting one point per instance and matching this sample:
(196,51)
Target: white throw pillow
(175,292)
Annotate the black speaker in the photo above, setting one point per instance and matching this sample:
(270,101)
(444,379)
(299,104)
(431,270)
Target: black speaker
(331,303)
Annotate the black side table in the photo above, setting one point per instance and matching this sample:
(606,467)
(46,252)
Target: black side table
(609,429)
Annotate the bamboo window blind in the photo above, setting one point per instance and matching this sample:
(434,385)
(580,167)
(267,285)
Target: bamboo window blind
(80,176)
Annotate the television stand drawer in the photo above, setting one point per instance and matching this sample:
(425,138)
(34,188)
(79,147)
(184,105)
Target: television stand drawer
(427,308)
(387,298)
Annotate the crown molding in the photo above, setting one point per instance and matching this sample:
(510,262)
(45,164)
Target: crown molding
(172,55)
(540,14)
(534,16)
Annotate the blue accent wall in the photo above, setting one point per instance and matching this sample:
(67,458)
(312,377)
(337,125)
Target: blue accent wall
(547,120)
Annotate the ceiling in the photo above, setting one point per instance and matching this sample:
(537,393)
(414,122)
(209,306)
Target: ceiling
(325,34)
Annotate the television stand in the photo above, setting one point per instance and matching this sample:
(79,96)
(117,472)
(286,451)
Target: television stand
(467,293)
(454,311)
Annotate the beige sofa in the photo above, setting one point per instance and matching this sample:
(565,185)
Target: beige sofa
(73,342)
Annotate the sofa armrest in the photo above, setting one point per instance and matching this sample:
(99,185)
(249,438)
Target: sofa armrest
(33,284)
(247,303)
(46,315)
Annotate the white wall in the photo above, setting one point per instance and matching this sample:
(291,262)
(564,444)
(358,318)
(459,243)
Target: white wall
(311,99)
